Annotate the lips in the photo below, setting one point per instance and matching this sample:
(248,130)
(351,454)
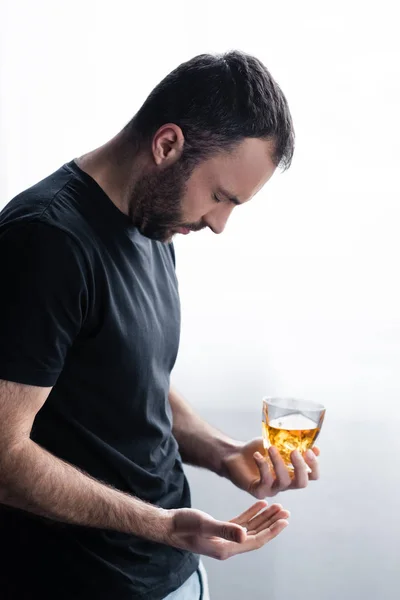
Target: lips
(183,230)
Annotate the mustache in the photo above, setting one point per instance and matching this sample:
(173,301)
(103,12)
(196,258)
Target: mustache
(196,226)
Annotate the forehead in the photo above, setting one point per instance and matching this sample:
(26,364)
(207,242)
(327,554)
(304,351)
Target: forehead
(243,171)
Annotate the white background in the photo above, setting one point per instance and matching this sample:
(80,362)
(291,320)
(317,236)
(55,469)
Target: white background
(300,295)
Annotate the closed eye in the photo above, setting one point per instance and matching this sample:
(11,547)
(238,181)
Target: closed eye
(227,197)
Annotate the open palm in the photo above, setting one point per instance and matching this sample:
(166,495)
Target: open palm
(198,532)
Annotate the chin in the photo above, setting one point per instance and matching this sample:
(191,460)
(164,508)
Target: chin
(164,238)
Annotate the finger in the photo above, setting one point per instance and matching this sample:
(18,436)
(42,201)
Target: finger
(264,516)
(264,485)
(269,534)
(223,529)
(316,450)
(312,461)
(251,512)
(259,540)
(300,477)
(267,524)
(283,479)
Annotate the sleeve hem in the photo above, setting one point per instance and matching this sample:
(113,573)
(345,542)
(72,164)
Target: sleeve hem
(20,374)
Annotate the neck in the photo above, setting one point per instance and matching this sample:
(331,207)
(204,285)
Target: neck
(115,167)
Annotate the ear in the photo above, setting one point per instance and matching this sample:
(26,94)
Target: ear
(167,144)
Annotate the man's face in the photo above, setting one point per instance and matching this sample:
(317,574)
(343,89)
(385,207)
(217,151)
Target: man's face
(172,201)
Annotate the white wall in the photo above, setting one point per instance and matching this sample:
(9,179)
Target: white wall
(301,293)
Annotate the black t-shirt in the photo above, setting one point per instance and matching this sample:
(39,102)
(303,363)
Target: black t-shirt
(90,306)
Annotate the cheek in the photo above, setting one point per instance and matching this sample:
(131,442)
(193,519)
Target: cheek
(195,204)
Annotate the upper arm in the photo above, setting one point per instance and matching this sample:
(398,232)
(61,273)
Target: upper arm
(19,405)
(43,302)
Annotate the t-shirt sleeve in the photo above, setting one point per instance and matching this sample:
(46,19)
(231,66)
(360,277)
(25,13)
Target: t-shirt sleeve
(43,301)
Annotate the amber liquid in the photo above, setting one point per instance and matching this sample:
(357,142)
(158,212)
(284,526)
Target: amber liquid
(288,433)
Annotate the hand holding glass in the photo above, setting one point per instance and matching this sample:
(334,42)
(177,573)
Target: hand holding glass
(290,424)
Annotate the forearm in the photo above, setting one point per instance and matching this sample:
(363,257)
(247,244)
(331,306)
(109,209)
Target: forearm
(34,480)
(200,443)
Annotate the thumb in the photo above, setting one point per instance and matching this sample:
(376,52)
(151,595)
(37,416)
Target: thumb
(227,531)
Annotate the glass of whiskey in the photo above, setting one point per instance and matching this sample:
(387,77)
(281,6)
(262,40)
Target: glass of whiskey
(291,424)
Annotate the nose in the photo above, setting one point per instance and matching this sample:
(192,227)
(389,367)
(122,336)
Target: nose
(217,219)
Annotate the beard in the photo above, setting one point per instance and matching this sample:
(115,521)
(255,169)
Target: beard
(156,201)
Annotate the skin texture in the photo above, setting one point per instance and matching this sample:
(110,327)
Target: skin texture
(162,196)
(34,480)
(244,464)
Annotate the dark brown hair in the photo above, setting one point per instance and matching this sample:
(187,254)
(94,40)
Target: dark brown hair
(218,101)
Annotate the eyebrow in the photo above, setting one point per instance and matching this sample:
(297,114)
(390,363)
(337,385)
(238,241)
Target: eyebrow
(230,197)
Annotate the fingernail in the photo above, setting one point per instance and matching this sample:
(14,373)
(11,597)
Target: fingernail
(258,456)
(296,454)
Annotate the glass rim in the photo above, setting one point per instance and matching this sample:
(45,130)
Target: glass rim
(285,401)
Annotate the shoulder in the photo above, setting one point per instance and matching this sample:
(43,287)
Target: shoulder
(38,234)
(32,202)
(37,249)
